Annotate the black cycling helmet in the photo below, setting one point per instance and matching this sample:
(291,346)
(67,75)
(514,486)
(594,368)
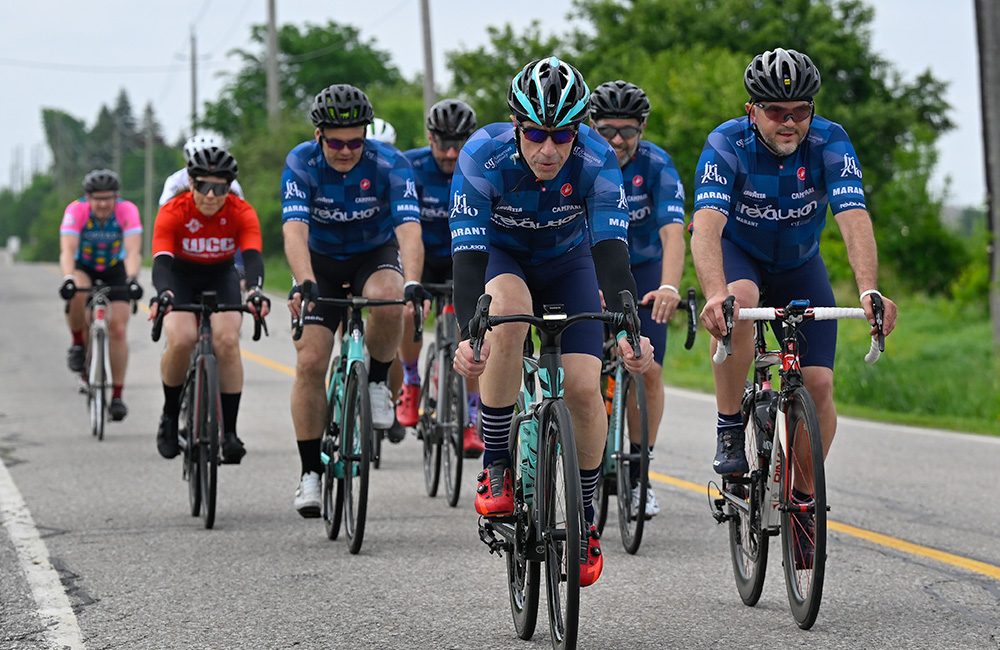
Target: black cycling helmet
(101,180)
(341,105)
(619,99)
(549,92)
(451,118)
(212,160)
(781,75)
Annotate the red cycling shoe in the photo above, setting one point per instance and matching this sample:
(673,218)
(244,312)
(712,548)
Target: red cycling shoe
(592,564)
(472,444)
(495,492)
(406,407)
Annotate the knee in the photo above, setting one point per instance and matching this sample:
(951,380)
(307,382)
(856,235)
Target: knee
(227,344)
(583,397)
(310,366)
(117,330)
(820,387)
(181,340)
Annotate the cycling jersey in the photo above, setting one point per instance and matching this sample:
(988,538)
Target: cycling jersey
(776,207)
(178,182)
(183,232)
(353,213)
(498,202)
(101,243)
(655,199)
(434,187)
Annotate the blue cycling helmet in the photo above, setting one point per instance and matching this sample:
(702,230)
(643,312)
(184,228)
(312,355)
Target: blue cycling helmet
(549,92)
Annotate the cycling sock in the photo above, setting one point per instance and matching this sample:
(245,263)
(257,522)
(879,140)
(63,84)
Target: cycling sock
(634,449)
(116,391)
(172,401)
(77,337)
(411,375)
(496,432)
(734,421)
(309,456)
(230,408)
(474,404)
(589,479)
(378,371)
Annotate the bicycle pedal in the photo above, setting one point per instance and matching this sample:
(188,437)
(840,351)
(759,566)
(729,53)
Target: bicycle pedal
(488,537)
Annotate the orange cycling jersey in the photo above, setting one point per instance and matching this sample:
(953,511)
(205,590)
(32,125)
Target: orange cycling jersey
(181,230)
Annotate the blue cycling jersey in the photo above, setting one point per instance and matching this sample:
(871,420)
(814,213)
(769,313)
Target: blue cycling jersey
(353,213)
(776,207)
(434,187)
(655,199)
(498,201)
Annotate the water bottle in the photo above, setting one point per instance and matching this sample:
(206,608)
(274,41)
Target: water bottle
(528,441)
(763,421)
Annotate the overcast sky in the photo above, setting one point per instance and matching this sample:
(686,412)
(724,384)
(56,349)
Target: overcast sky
(77,55)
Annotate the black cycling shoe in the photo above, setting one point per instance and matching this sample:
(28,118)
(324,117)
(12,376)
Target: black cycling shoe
(730,457)
(117,409)
(166,437)
(396,433)
(233,450)
(75,358)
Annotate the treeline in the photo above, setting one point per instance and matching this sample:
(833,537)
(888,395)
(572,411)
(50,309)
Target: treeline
(688,55)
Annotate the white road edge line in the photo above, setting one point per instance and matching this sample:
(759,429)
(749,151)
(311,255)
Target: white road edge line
(61,626)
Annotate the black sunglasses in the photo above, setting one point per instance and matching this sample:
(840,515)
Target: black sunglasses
(445,143)
(781,114)
(204,187)
(337,144)
(626,132)
(562,136)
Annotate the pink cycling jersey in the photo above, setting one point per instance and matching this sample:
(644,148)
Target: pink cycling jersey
(101,243)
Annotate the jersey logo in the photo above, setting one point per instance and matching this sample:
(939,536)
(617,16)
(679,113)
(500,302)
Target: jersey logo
(411,189)
(209,245)
(801,173)
(637,180)
(711,174)
(679,194)
(566,189)
(622,200)
(193,226)
(292,191)
(460,205)
(365,183)
(850,166)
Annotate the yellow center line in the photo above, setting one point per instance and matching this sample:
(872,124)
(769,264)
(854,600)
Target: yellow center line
(975,566)
(268,363)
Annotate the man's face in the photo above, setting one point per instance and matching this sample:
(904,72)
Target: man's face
(622,134)
(782,125)
(337,146)
(209,193)
(547,157)
(102,203)
(445,151)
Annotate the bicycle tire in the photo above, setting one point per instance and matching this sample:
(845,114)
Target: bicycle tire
(803,578)
(333,504)
(356,453)
(602,498)
(98,384)
(190,451)
(452,429)
(559,478)
(631,524)
(430,435)
(210,416)
(377,436)
(523,575)
(748,544)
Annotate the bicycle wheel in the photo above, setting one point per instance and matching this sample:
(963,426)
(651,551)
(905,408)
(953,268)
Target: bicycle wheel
(210,418)
(747,542)
(377,435)
(333,503)
(523,575)
(452,421)
(562,517)
(355,451)
(602,497)
(190,450)
(430,422)
(803,524)
(631,520)
(97,381)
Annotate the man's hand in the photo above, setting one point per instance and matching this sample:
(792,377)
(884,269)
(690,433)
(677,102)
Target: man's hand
(712,317)
(258,304)
(308,291)
(68,288)
(134,289)
(665,303)
(641,365)
(413,293)
(465,363)
(163,301)
(889,313)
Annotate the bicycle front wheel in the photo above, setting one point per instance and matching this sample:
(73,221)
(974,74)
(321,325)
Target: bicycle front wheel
(190,449)
(632,512)
(355,450)
(210,418)
(523,574)
(562,520)
(429,422)
(452,422)
(803,519)
(98,384)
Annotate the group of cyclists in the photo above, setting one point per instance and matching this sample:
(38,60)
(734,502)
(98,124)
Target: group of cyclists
(563,203)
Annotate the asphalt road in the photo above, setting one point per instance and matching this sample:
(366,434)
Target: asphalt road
(137,571)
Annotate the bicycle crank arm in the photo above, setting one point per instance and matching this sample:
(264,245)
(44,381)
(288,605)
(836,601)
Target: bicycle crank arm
(487,534)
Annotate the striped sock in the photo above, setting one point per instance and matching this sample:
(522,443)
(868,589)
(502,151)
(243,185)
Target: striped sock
(411,374)
(496,432)
(734,421)
(589,479)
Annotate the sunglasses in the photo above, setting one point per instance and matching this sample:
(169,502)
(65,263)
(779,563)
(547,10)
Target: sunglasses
(445,143)
(337,144)
(204,187)
(626,132)
(562,136)
(780,114)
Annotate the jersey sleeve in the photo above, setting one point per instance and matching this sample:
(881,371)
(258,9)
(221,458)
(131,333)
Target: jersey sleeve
(404,203)
(127,214)
(715,175)
(249,236)
(843,173)
(237,189)
(607,205)
(471,203)
(175,184)
(296,190)
(668,196)
(166,223)
(74,218)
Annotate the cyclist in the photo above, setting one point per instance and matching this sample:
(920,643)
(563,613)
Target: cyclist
(762,188)
(178,182)
(195,237)
(379,129)
(100,238)
(450,122)
(618,110)
(539,214)
(346,202)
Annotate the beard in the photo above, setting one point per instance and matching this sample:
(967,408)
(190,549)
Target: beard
(782,148)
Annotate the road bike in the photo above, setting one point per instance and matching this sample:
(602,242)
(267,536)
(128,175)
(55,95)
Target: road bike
(550,529)
(200,420)
(624,391)
(762,503)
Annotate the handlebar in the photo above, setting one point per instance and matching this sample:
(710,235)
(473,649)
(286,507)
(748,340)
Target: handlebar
(690,305)
(357,303)
(108,290)
(206,307)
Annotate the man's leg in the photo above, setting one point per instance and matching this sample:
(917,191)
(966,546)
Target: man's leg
(308,403)
(76,319)
(118,353)
(181,334)
(383,333)
(226,342)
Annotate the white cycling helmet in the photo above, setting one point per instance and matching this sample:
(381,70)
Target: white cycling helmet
(201,142)
(381,130)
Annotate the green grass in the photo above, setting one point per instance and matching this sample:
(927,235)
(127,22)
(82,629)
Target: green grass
(939,370)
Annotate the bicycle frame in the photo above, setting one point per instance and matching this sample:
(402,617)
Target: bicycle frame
(352,350)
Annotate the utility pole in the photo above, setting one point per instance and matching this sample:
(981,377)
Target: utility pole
(147,205)
(272,67)
(430,96)
(988,31)
(116,148)
(194,83)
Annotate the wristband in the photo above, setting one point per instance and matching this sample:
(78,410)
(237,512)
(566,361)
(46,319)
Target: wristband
(869,292)
(670,287)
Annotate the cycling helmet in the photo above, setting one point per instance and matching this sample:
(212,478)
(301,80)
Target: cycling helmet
(451,118)
(212,161)
(380,130)
(781,75)
(341,105)
(549,92)
(619,99)
(101,180)
(199,141)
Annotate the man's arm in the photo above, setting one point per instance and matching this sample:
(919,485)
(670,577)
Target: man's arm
(296,235)
(68,245)
(133,254)
(706,252)
(411,250)
(862,254)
